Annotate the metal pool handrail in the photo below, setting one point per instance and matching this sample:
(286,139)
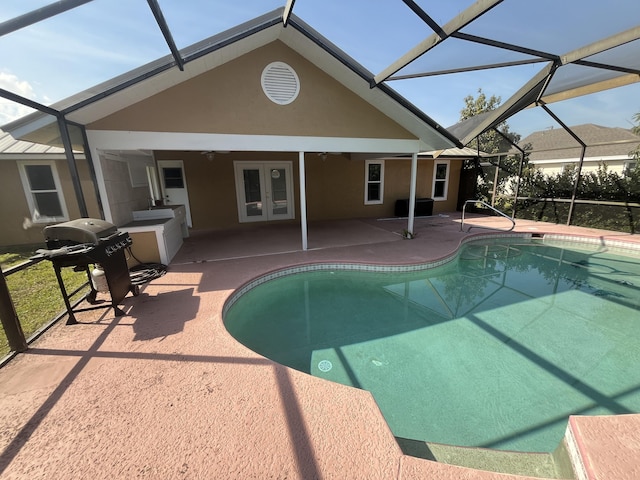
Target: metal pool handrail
(464,207)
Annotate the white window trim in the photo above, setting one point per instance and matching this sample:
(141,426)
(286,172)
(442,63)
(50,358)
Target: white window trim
(36,218)
(366,182)
(629,166)
(446,180)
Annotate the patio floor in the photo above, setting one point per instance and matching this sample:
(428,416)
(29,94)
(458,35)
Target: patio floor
(166,392)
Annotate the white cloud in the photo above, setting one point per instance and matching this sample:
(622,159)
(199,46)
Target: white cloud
(10,110)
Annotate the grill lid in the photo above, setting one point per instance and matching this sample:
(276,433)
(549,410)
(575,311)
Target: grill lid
(81,230)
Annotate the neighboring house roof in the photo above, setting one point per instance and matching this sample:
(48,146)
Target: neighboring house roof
(141,83)
(454,153)
(557,144)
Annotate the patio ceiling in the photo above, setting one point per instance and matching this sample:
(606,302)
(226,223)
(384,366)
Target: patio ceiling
(569,48)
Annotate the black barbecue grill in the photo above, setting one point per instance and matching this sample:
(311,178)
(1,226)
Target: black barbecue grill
(89,241)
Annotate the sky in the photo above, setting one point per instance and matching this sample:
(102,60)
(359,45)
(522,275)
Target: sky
(92,43)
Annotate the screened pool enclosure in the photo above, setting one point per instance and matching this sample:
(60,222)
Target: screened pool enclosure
(553,65)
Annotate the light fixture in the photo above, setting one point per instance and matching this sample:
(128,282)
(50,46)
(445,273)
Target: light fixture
(210,155)
(323,155)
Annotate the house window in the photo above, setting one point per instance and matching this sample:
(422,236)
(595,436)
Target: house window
(43,191)
(629,167)
(373,182)
(440,180)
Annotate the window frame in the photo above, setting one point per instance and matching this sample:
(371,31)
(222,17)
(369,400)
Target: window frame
(628,167)
(367,163)
(445,180)
(29,192)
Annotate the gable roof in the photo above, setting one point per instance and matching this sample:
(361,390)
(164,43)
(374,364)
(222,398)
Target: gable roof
(152,78)
(601,141)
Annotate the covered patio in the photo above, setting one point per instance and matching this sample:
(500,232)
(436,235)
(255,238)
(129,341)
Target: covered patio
(166,392)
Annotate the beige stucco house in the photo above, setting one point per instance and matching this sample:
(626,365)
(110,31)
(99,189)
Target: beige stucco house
(36,190)
(554,149)
(266,123)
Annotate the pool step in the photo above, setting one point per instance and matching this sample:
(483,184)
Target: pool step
(542,465)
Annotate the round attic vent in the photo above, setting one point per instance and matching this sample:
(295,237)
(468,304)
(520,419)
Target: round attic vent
(280,83)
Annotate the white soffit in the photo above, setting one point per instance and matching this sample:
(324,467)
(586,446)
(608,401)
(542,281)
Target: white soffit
(126,140)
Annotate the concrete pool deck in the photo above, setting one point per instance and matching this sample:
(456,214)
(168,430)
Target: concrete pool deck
(165,392)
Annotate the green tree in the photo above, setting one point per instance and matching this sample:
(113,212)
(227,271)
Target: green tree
(636,129)
(490,142)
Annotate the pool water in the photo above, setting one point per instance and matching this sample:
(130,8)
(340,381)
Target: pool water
(494,349)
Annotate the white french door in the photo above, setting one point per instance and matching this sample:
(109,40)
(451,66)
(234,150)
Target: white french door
(264,191)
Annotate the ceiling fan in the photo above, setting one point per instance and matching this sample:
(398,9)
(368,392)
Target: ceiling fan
(210,154)
(324,155)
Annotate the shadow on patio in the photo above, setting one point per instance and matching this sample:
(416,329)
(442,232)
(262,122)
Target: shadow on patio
(166,392)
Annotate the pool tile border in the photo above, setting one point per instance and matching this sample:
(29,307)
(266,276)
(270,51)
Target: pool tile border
(615,246)
(358,267)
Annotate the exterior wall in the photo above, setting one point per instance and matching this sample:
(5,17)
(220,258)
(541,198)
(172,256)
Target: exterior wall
(229,99)
(451,203)
(123,196)
(144,248)
(335,186)
(613,166)
(15,216)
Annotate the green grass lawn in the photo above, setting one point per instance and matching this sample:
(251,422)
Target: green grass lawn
(35,292)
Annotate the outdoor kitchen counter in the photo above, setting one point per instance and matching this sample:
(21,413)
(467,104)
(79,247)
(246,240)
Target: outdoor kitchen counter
(157,240)
(152,222)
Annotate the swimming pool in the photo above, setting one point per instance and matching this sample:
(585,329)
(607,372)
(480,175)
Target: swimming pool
(495,348)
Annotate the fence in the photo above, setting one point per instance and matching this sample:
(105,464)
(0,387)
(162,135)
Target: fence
(599,198)
(17,336)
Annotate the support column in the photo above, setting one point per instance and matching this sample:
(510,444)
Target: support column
(71,162)
(9,319)
(412,191)
(303,200)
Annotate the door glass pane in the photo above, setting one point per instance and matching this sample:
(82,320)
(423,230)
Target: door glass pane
(278,191)
(173,177)
(252,192)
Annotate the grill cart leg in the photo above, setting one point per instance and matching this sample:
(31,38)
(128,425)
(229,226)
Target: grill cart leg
(72,319)
(93,293)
